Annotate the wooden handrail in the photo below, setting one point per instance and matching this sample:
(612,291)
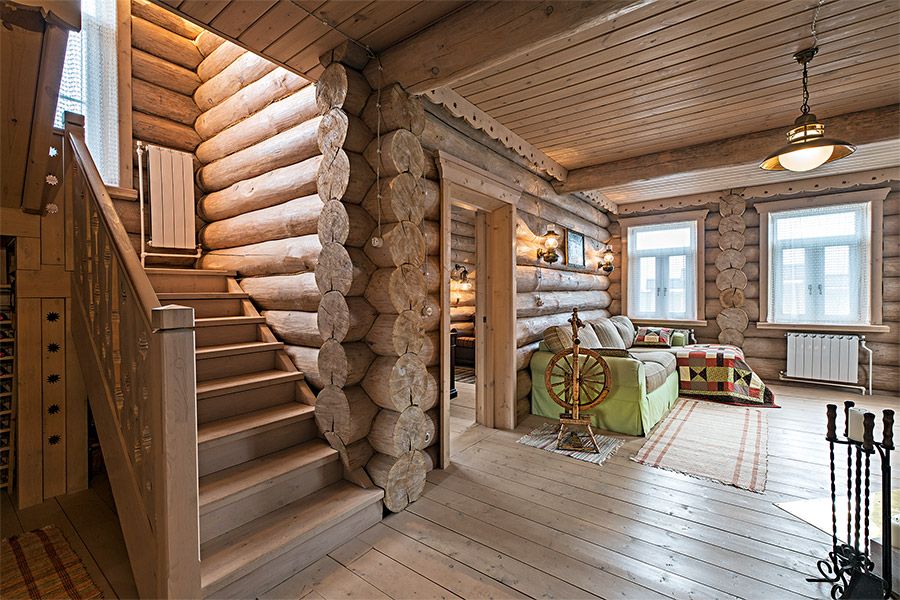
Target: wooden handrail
(110,218)
(138,362)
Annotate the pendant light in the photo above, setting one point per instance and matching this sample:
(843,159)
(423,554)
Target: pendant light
(807,146)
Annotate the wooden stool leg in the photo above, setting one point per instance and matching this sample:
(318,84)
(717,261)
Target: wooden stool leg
(593,439)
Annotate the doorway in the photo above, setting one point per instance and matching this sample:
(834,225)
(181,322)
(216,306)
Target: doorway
(493,204)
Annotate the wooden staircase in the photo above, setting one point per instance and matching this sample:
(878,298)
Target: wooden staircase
(272,498)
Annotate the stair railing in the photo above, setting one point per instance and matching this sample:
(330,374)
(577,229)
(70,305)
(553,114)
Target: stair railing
(138,362)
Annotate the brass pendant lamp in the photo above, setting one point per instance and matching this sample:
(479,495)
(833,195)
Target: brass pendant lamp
(807,146)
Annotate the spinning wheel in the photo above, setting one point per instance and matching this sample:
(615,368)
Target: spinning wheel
(593,378)
(577,379)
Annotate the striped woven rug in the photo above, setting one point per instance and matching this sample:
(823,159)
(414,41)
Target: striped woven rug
(711,441)
(544,437)
(42,564)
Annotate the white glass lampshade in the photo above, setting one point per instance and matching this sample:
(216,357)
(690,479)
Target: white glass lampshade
(806,159)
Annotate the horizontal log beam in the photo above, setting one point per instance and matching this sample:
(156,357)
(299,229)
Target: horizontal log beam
(485,34)
(864,127)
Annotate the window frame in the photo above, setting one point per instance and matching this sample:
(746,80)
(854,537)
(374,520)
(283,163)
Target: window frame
(698,217)
(875,198)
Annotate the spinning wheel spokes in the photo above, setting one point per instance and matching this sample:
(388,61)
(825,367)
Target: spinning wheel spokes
(592,379)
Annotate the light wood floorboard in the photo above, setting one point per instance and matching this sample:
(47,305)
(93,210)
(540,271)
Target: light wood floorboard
(509,521)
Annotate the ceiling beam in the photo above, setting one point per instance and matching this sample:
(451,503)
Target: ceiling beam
(484,34)
(859,128)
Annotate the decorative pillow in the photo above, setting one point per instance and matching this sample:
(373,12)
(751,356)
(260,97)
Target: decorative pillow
(626,329)
(654,336)
(607,334)
(559,338)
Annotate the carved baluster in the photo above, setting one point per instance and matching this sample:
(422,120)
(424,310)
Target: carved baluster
(117,293)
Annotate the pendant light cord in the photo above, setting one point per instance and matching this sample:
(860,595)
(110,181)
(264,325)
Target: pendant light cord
(815,20)
(804,108)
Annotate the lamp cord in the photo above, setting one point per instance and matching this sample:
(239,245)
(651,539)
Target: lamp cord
(815,20)
(804,108)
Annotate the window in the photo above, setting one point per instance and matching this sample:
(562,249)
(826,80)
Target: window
(662,266)
(89,84)
(819,263)
(816,258)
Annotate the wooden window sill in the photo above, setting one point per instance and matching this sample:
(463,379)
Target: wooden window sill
(822,328)
(669,322)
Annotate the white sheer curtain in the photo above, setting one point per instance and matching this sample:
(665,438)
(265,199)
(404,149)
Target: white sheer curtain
(662,271)
(90,84)
(98,32)
(819,265)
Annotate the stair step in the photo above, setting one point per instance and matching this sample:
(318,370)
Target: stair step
(190,272)
(266,550)
(208,304)
(237,383)
(244,437)
(217,331)
(235,349)
(271,393)
(250,423)
(189,280)
(235,359)
(235,496)
(232,484)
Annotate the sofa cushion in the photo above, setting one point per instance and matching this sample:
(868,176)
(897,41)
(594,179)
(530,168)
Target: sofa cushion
(559,337)
(626,329)
(656,375)
(666,360)
(653,336)
(607,334)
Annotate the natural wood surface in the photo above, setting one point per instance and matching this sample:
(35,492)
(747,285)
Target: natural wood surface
(149,67)
(243,71)
(490,525)
(249,100)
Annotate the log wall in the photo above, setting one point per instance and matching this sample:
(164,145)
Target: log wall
(165,57)
(732,290)
(463,252)
(546,293)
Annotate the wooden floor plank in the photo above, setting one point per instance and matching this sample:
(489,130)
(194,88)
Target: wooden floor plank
(395,579)
(439,568)
(325,578)
(9,520)
(98,527)
(505,569)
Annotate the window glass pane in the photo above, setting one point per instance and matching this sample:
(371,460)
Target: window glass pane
(793,281)
(647,285)
(676,291)
(835,290)
(655,238)
(811,226)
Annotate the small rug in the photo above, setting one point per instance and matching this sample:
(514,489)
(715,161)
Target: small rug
(817,512)
(465,374)
(42,564)
(544,437)
(711,441)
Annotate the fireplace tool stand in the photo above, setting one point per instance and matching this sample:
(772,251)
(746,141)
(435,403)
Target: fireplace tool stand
(848,567)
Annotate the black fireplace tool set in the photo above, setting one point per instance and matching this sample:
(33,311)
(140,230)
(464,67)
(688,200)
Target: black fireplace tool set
(849,567)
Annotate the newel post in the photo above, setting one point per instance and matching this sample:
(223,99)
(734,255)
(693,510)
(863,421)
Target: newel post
(177,516)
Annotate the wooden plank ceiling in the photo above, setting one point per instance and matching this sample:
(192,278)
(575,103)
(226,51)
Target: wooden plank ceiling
(677,73)
(292,32)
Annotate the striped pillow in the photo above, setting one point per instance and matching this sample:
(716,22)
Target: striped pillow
(626,329)
(654,336)
(608,334)
(559,337)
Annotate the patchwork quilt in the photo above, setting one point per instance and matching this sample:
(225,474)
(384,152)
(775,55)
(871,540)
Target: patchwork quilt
(719,372)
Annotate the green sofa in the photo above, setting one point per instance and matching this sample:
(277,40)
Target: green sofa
(635,402)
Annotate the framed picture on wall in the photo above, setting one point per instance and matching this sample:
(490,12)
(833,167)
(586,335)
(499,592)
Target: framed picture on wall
(574,248)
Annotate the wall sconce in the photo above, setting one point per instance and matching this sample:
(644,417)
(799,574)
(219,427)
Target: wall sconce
(460,275)
(606,261)
(551,242)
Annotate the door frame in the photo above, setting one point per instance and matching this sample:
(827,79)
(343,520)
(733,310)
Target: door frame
(495,313)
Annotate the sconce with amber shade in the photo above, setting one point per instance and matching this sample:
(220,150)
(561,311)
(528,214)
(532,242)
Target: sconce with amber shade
(551,242)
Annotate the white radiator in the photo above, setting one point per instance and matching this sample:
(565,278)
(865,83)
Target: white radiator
(171,198)
(823,357)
